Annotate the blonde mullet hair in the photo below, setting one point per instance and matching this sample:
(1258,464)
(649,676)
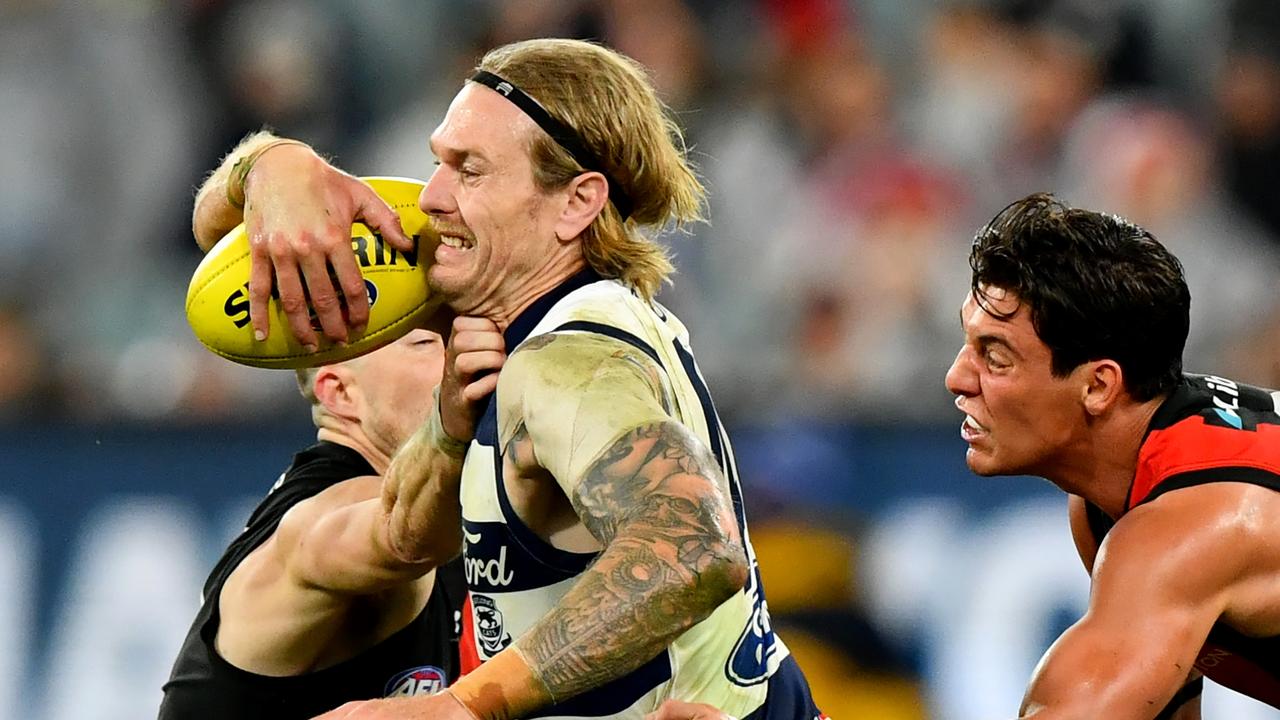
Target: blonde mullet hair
(608,99)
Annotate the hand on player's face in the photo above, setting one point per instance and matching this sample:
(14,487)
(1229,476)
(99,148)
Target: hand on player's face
(298,214)
(476,351)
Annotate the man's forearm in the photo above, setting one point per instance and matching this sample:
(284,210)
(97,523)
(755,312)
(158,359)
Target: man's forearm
(634,602)
(214,214)
(420,496)
(672,556)
(1185,705)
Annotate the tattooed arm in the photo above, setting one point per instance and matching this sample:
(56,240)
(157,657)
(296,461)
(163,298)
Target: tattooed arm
(672,554)
(646,488)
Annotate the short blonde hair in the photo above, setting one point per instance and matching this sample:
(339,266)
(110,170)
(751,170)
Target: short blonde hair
(307,386)
(609,100)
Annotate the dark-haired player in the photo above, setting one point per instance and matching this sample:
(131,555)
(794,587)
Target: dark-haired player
(1072,370)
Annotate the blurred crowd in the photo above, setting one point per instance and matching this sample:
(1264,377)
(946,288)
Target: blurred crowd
(851,149)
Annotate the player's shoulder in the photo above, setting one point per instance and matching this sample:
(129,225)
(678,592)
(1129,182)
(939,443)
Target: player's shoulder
(570,355)
(559,369)
(342,493)
(612,307)
(1192,547)
(302,516)
(1221,520)
(321,479)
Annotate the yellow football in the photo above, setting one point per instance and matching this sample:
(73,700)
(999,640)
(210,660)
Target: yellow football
(399,298)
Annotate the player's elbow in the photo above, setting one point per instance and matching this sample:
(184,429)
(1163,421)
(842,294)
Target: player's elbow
(720,566)
(726,571)
(738,569)
(705,566)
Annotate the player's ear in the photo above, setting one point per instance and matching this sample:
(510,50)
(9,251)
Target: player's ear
(1103,385)
(587,195)
(336,392)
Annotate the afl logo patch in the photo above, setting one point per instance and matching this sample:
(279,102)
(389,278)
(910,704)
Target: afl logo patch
(423,680)
(373,292)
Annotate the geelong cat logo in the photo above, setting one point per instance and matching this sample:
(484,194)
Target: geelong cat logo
(489,630)
(424,680)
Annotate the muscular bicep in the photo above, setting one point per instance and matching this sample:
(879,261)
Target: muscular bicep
(336,541)
(1160,582)
(660,478)
(1096,669)
(573,395)
(597,417)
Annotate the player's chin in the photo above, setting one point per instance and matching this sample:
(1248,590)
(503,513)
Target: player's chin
(982,462)
(447,283)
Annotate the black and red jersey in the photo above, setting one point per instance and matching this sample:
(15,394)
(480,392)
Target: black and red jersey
(1211,429)
(420,658)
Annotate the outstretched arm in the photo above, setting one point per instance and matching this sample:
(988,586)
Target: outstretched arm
(361,536)
(281,602)
(1162,578)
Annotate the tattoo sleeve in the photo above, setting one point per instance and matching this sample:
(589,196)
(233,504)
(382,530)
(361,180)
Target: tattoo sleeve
(673,553)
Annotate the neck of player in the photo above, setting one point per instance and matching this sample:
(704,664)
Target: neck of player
(359,442)
(505,305)
(1100,463)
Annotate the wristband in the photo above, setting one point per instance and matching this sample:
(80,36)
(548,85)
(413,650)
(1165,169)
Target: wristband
(440,438)
(467,710)
(537,676)
(240,171)
(502,688)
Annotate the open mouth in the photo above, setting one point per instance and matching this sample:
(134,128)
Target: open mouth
(971,429)
(457,242)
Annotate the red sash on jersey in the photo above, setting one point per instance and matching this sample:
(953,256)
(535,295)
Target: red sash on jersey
(468,658)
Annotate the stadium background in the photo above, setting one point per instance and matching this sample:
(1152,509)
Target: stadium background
(851,149)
